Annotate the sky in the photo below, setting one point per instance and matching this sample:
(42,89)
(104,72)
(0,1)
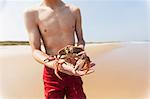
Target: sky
(102,20)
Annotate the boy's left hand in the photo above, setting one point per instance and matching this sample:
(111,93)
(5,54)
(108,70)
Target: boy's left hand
(68,69)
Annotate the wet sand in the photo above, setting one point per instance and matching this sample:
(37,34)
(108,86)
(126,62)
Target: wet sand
(121,72)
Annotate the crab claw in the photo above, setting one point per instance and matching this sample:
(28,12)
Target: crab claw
(81,53)
(56,73)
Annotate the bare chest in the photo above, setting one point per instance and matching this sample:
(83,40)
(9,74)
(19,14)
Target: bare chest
(61,20)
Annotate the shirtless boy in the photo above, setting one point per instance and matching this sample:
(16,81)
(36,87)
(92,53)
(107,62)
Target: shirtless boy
(56,23)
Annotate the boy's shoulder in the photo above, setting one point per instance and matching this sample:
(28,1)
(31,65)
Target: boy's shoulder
(73,7)
(32,9)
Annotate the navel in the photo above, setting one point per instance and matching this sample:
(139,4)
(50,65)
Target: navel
(45,30)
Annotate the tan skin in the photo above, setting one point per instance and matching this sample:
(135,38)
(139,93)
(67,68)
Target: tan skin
(55,23)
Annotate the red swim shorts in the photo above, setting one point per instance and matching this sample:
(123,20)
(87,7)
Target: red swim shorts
(70,86)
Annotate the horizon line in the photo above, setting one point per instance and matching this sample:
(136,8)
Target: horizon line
(5,43)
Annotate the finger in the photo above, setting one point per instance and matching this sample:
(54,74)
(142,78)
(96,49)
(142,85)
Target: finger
(76,66)
(92,65)
(84,72)
(79,73)
(90,71)
(80,64)
(83,52)
(61,61)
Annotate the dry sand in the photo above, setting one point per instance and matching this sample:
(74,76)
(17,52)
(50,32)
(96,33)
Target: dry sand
(121,72)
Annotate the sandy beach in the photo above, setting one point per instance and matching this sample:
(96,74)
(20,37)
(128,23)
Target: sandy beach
(121,72)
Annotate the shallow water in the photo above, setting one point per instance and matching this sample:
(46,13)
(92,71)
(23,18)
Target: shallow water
(121,72)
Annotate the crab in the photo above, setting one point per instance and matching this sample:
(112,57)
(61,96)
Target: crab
(73,55)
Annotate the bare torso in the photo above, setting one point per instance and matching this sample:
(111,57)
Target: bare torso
(56,27)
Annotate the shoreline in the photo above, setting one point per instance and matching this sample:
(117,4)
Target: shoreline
(14,43)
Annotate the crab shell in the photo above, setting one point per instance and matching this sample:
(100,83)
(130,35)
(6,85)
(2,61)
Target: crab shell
(70,50)
(69,53)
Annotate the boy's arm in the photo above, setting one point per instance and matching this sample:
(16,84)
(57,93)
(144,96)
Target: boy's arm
(34,36)
(78,29)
